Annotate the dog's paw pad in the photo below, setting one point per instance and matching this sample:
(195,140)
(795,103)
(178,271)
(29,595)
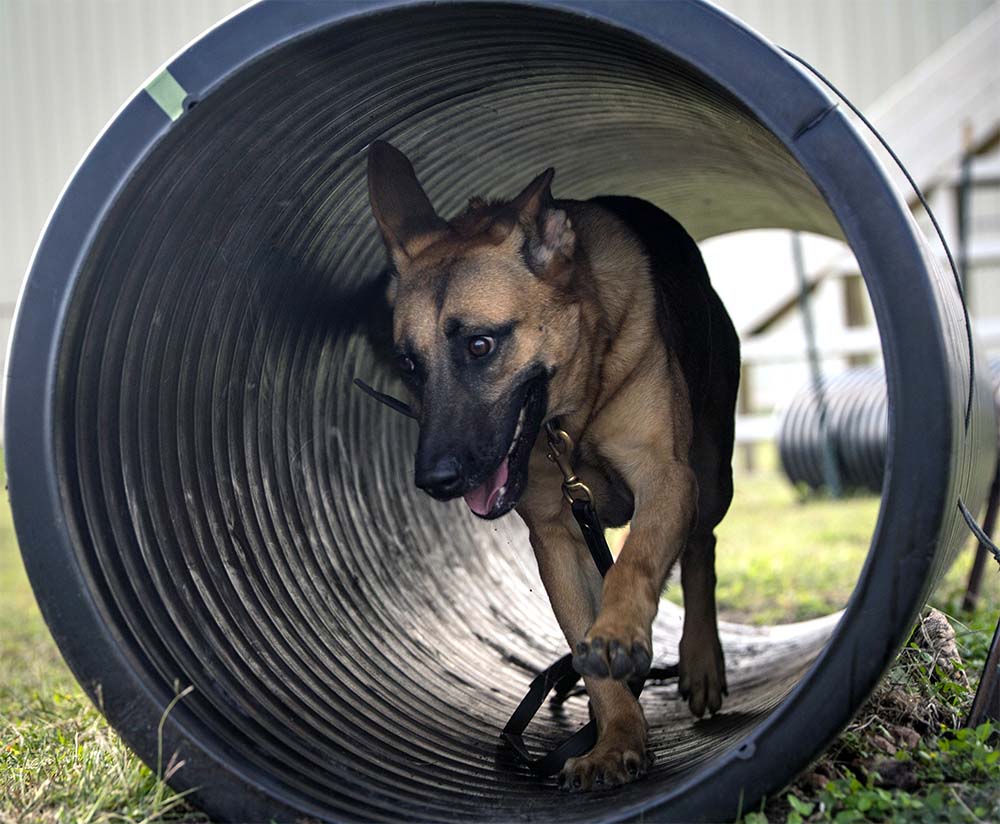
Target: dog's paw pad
(602,768)
(590,658)
(599,657)
(702,680)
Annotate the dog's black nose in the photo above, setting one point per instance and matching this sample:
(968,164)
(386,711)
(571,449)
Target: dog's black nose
(442,479)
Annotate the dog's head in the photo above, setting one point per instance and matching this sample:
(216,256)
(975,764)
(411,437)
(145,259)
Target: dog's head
(483,316)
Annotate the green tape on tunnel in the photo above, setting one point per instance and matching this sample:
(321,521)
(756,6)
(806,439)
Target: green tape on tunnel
(168,94)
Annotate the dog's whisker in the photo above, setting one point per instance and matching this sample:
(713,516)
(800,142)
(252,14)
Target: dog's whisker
(394,404)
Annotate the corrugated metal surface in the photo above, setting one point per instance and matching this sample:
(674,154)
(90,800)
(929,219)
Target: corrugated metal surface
(67,65)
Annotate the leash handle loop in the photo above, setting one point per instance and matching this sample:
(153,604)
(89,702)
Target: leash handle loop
(560,677)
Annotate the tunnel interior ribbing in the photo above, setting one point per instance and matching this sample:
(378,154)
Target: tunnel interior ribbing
(246,522)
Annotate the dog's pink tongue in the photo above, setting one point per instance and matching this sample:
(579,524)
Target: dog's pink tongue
(482,498)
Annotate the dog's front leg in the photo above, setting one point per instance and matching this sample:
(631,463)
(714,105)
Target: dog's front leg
(573,585)
(619,643)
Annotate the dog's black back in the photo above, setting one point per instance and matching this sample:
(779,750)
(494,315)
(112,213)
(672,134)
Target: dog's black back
(692,319)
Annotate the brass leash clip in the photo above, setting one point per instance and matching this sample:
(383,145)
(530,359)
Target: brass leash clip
(560,452)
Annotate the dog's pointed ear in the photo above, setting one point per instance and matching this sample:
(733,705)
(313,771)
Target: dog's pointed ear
(401,208)
(550,240)
(535,196)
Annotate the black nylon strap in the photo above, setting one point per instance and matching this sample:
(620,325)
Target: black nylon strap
(561,676)
(593,534)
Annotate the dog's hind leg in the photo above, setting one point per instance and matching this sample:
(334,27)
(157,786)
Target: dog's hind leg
(702,666)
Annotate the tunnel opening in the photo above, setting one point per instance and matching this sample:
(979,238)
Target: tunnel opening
(237,520)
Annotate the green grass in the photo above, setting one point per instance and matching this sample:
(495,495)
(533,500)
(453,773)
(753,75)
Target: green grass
(805,555)
(786,556)
(905,756)
(780,558)
(59,759)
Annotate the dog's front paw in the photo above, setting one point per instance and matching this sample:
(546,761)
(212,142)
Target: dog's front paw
(618,653)
(619,757)
(702,673)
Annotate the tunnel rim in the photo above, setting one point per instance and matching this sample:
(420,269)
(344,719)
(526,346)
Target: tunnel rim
(138,128)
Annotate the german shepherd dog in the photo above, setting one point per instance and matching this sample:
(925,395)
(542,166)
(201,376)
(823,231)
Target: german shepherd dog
(600,314)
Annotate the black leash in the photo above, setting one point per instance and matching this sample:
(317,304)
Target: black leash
(560,676)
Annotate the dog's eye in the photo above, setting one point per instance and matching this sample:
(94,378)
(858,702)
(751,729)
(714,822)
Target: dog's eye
(406,364)
(481,345)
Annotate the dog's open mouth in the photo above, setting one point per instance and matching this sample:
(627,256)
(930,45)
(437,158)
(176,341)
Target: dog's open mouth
(500,492)
(484,497)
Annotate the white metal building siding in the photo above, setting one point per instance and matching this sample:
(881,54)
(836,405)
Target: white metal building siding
(66,66)
(864,46)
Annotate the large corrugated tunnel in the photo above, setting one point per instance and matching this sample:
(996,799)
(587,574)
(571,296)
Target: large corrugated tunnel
(208,510)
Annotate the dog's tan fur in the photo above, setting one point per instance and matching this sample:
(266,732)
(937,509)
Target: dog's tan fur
(587,310)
